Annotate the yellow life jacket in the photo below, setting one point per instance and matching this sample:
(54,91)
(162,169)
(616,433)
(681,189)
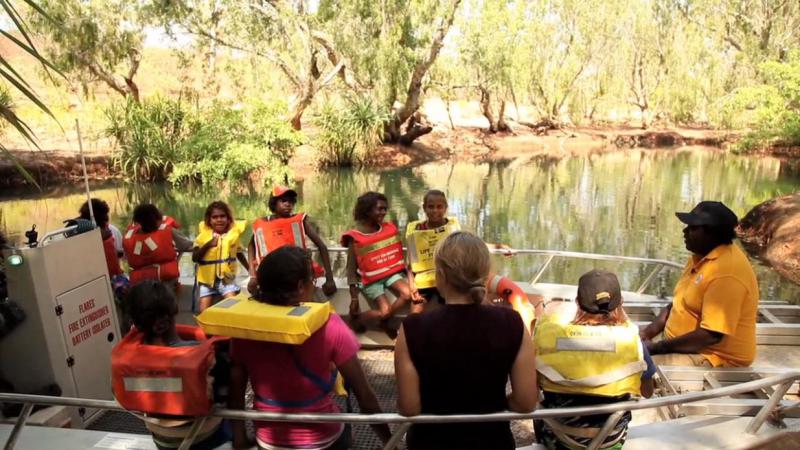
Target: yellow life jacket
(219,262)
(421,245)
(583,359)
(245,318)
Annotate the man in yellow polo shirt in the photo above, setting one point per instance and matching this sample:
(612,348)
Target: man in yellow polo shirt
(712,319)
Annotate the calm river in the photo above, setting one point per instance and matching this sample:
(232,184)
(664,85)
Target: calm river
(616,203)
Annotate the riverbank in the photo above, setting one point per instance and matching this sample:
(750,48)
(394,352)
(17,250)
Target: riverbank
(459,143)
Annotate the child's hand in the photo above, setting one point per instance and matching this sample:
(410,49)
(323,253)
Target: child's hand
(252,286)
(416,297)
(213,242)
(329,288)
(355,308)
(506,250)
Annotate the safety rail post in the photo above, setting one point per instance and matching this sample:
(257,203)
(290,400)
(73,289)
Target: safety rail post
(768,407)
(187,442)
(544,267)
(398,434)
(656,270)
(611,422)
(23,416)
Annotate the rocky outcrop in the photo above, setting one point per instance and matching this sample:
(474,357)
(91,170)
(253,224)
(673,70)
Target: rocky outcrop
(771,232)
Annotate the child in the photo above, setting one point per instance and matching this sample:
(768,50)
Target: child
(215,252)
(297,378)
(284,227)
(150,245)
(422,237)
(153,309)
(375,260)
(111,245)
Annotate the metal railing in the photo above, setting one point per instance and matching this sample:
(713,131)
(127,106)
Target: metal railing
(771,405)
(660,264)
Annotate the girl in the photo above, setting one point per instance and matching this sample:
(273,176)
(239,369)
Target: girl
(422,237)
(284,227)
(619,358)
(290,378)
(375,260)
(215,252)
(150,245)
(482,344)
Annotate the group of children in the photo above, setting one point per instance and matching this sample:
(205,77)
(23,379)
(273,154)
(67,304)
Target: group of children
(376,262)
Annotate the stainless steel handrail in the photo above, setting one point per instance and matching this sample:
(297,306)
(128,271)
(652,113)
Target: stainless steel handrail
(660,264)
(784,382)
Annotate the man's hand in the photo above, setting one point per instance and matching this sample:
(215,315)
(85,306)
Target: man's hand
(649,345)
(329,288)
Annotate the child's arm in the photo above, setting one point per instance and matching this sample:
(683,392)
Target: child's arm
(367,401)
(236,401)
(329,288)
(199,251)
(252,285)
(242,259)
(352,278)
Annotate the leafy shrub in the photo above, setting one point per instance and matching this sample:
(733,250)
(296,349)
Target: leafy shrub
(349,133)
(771,109)
(210,145)
(149,135)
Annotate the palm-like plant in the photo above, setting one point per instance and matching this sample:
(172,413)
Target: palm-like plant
(16,82)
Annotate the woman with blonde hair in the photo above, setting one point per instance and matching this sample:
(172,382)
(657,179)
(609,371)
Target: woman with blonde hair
(457,359)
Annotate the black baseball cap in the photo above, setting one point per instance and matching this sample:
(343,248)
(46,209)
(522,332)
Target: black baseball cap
(713,214)
(599,292)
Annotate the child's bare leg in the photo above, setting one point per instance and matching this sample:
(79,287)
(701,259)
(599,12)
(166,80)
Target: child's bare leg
(204,303)
(402,291)
(382,312)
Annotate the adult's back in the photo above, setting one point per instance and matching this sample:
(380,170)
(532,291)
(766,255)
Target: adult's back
(463,354)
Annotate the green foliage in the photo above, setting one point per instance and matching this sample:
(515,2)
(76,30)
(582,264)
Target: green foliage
(160,139)
(348,133)
(771,109)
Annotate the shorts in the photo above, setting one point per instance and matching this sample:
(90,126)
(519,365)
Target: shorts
(377,288)
(219,289)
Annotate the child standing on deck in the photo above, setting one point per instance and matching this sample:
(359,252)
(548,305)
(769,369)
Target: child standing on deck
(215,252)
(375,260)
(284,227)
(421,238)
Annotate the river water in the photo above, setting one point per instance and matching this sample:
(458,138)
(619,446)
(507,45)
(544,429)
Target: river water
(619,203)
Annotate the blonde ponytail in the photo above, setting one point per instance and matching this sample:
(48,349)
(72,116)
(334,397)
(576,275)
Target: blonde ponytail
(464,261)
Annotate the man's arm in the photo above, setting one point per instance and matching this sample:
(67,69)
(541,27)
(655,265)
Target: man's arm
(656,326)
(688,343)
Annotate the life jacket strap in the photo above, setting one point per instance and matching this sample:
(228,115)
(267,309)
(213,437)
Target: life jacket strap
(593,380)
(566,434)
(325,387)
(216,261)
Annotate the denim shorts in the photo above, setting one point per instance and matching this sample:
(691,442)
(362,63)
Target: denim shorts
(219,289)
(377,288)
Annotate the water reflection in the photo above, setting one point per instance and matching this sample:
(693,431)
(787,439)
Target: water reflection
(618,203)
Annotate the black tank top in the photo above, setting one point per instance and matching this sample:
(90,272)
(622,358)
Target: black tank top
(463,355)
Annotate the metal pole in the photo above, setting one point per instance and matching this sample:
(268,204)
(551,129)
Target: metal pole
(193,432)
(398,434)
(85,176)
(768,407)
(541,271)
(649,278)
(23,416)
(611,422)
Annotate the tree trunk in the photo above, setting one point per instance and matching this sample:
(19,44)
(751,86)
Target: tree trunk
(298,108)
(501,120)
(412,102)
(486,108)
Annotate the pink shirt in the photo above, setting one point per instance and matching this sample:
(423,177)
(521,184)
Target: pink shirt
(274,375)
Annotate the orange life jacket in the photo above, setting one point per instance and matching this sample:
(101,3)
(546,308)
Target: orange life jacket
(378,254)
(164,380)
(272,234)
(152,256)
(112,260)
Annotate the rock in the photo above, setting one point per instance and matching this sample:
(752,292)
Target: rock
(769,232)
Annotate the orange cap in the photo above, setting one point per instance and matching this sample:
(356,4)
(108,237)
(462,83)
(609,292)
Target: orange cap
(280,191)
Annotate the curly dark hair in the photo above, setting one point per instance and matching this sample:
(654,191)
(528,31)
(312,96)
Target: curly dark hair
(279,273)
(152,307)
(272,203)
(217,205)
(147,216)
(100,209)
(365,203)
